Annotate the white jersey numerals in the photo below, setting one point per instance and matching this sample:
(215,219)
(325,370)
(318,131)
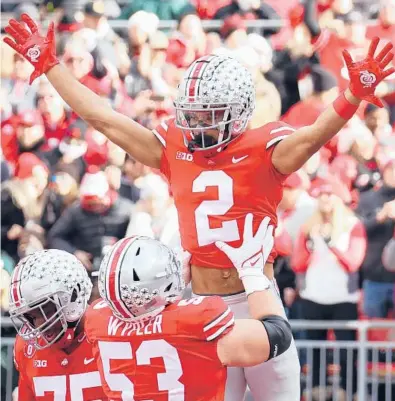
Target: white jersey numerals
(58,385)
(191,301)
(228,231)
(167,381)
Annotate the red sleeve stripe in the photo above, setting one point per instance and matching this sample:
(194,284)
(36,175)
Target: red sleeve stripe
(229,323)
(161,132)
(275,140)
(159,137)
(217,320)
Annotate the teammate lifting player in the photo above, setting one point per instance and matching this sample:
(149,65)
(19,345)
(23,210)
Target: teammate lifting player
(218,169)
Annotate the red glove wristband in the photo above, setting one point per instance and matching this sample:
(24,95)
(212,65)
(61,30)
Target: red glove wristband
(344,108)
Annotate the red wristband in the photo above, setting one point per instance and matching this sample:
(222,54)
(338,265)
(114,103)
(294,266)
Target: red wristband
(344,108)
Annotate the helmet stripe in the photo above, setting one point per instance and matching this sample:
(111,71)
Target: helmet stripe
(194,79)
(190,78)
(15,289)
(192,87)
(112,279)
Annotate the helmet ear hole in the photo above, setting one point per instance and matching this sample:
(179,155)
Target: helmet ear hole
(135,275)
(74,294)
(168,287)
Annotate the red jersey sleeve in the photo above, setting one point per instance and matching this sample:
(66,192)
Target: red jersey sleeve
(25,392)
(161,132)
(217,318)
(91,319)
(274,133)
(209,317)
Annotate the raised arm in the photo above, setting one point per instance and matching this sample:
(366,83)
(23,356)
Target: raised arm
(135,139)
(364,75)
(267,334)
(131,136)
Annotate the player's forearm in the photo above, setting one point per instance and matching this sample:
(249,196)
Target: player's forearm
(82,100)
(306,141)
(264,303)
(129,135)
(328,124)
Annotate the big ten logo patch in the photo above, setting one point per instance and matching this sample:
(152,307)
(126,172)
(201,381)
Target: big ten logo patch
(184,156)
(40,363)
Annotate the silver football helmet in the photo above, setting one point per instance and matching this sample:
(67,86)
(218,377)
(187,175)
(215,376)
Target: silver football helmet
(216,93)
(139,276)
(49,293)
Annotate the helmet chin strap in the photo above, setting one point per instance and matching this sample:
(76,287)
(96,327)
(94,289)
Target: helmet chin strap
(191,146)
(69,335)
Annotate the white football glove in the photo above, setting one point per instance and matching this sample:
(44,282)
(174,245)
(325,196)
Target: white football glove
(250,258)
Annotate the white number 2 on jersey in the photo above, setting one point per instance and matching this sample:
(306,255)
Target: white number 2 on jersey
(228,231)
(167,381)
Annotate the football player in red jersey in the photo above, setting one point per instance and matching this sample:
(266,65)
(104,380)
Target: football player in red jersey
(49,293)
(149,344)
(218,170)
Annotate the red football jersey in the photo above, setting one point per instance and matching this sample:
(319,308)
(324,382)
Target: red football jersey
(52,375)
(214,195)
(169,357)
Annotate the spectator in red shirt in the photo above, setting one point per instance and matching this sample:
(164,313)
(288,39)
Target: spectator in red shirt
(377,119)
(9,143)
(56,119)
(206,9)
(141,25)
(349,33)
(358,142)
(30,132)
(234,32)
(384,28)
(29,206)
(324,92)
(296,205)
(80,63)
(250,9)
(190,27)
(188,43)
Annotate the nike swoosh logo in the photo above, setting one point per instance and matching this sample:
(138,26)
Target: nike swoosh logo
(88,361)
(234,160)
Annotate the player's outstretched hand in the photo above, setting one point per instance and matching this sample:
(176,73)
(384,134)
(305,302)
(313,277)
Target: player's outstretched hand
(37,49)
(365,75)
(250,258)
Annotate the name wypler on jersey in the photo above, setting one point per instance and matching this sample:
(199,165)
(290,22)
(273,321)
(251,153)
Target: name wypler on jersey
(118,327)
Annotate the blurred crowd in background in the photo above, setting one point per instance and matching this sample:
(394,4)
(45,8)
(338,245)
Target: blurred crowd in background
(65,186)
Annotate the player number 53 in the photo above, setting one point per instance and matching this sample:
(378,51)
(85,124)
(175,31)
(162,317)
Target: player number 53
(167,381)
